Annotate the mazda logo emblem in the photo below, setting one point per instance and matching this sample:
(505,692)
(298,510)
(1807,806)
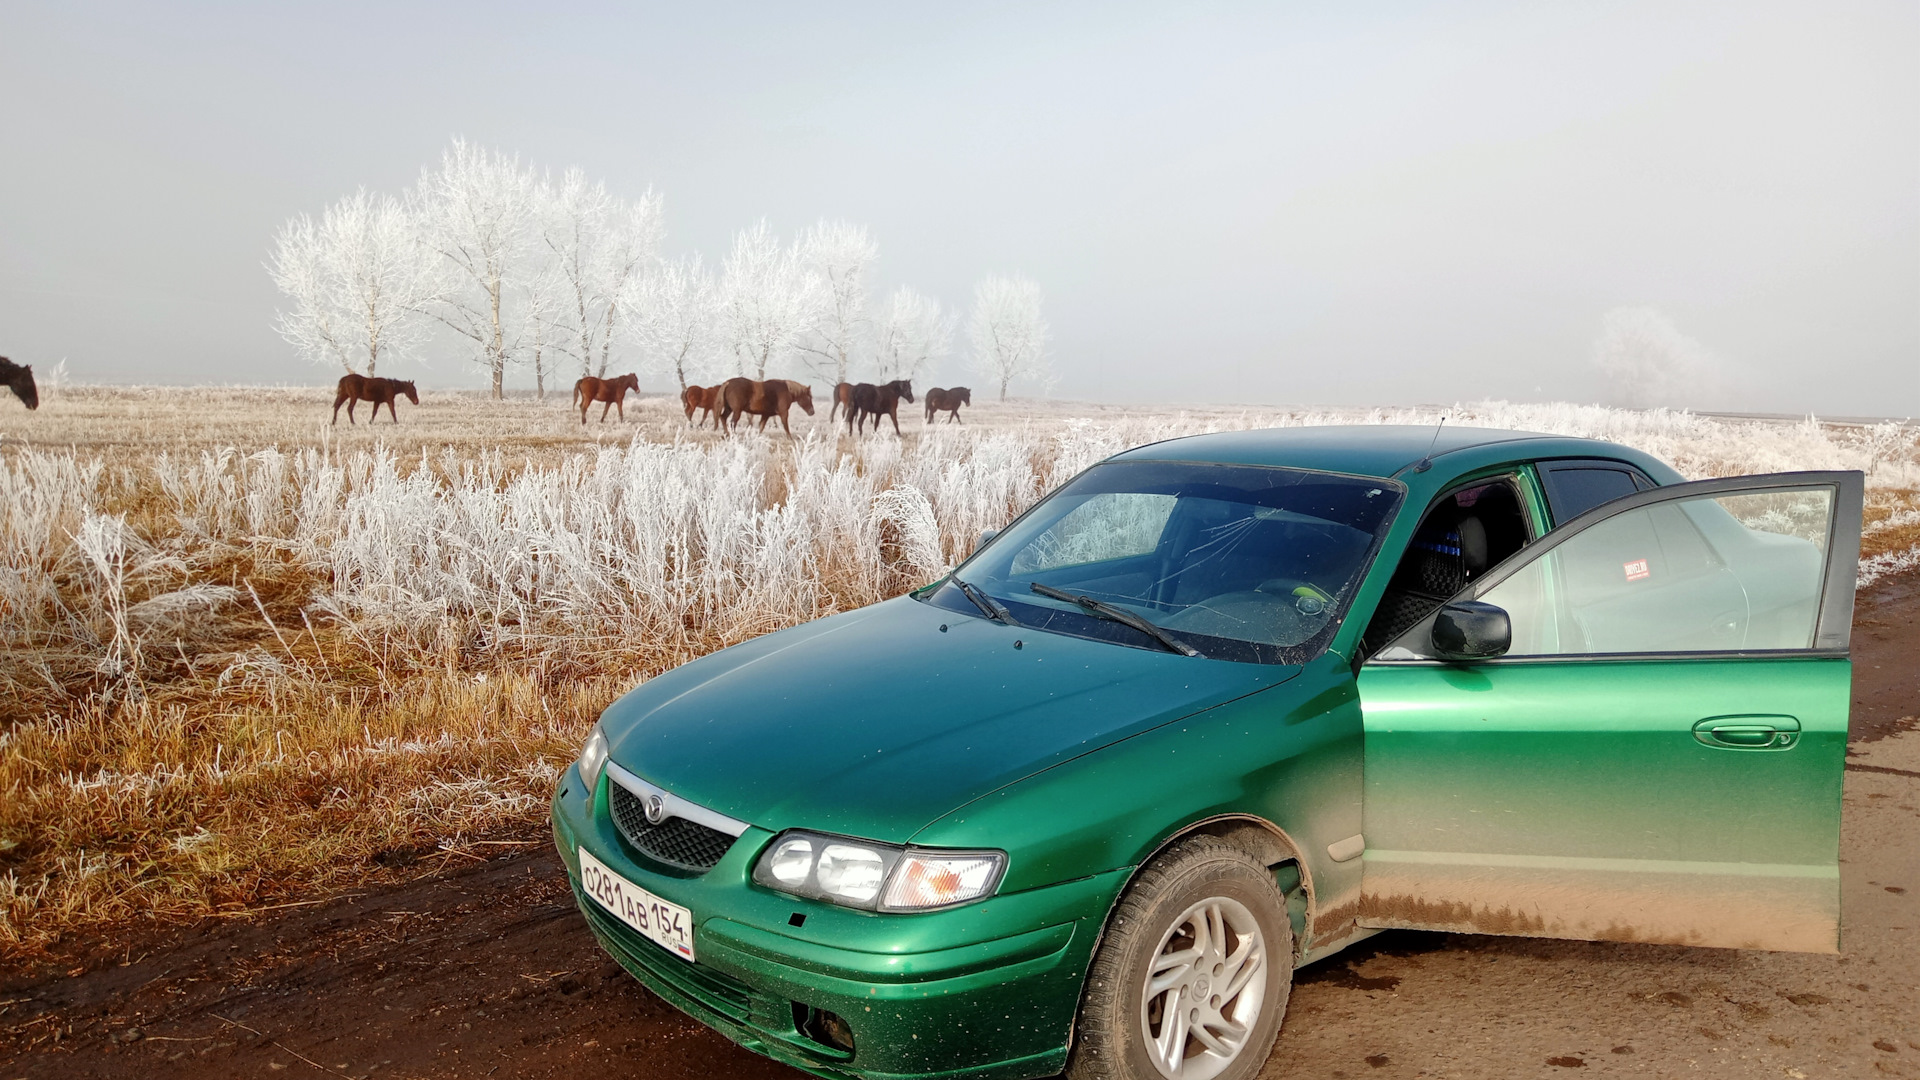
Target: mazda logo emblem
(656,809)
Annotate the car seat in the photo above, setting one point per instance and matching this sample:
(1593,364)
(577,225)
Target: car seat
(1448,551)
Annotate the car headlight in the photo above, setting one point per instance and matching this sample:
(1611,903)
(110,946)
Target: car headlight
(593,758)
(876,877)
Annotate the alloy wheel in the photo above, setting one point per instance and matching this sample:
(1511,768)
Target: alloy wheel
(1204,990)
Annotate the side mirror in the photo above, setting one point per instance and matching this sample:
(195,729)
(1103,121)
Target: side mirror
(1471,630)
(986,538)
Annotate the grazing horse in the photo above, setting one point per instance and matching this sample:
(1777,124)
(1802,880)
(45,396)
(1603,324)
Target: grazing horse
(774,397)
(948,401)
(19,379)
(878,401)
(611,391)
(354,389)
(699,397)
(842,395)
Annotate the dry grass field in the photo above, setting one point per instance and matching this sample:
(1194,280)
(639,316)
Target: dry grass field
(253,661)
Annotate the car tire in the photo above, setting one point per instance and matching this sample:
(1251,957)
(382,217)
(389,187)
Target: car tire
(1198,895)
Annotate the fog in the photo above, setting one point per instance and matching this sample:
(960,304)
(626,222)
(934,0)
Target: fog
(1268,203)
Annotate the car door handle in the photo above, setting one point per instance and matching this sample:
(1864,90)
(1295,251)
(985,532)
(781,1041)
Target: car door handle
(1748,732)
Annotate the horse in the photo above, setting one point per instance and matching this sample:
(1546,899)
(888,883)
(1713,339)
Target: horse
(855,392)
(878,401)
(948,401)
(354,389)
(842,395)
(19,379)
(611,391)
(774,397)
(699,397)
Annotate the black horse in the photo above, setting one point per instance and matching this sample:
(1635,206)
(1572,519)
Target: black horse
(19,379)
(878,401)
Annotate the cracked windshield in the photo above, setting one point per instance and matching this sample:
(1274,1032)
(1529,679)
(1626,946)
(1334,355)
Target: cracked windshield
(1230,562)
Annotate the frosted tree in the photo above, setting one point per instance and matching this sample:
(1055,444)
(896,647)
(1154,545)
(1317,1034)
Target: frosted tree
(672,314)
(839,254)
(477,213)
(910,336)
(769,300)
(544,330)
(1008,334)
(598,245)
(1649,362)
(358,281)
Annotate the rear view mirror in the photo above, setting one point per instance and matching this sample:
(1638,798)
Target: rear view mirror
(986,538)
(1471,630)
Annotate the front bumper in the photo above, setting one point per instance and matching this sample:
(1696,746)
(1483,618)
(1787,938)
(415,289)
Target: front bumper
(987,990)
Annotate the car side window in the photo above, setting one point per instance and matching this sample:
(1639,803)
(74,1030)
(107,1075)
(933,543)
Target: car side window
(1466,532)
(1575,486)
(1709,574)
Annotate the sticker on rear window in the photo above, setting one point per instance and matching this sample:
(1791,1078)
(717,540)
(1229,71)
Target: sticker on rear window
(1637,569)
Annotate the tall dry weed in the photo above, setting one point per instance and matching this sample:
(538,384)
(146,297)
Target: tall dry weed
(245,673)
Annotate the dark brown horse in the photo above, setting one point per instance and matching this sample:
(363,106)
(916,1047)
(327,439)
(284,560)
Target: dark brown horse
(877,401)
(611,391)
(774,397)
(19,379)
(354,389)
(842,395)
(948,401)
(696,398)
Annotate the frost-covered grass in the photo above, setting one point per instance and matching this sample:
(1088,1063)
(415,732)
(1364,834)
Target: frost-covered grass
(250,659)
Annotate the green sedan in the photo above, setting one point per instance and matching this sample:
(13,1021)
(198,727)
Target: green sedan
(1220,707)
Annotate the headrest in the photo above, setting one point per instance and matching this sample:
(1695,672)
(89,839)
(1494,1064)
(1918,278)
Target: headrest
(1473,544)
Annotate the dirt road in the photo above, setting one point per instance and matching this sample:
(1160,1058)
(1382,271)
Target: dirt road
(490,972)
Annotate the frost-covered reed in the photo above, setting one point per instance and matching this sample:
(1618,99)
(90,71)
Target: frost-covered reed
(235,672)
(657,547)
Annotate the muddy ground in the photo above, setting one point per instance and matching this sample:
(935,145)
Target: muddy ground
(489,971)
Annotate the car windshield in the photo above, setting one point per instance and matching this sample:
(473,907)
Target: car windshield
(1236,562)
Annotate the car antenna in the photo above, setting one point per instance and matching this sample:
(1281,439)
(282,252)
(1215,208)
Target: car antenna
(1426,459)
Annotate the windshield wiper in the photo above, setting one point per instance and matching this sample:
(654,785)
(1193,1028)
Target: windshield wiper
(1118,614)
(993,608)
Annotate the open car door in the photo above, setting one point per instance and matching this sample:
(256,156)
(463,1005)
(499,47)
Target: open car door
(1632,730)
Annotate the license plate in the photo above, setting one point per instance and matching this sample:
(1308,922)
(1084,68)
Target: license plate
(668,925)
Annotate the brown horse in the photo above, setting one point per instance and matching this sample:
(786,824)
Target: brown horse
(878,401)
(611,391)
(19,379)
(948,401)
(354,389)
(842,395)
(696,398)
(774,397)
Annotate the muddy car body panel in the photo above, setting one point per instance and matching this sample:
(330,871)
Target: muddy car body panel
(1682,793)
(1657,757)
(981,990)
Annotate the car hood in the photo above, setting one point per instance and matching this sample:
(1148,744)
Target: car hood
(877,721)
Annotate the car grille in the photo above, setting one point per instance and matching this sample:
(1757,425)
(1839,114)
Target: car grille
(676,842)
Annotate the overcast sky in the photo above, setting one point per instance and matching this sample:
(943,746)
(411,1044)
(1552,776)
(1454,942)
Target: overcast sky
(1265,202)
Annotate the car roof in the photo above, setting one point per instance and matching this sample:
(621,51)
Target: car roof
(1363,449)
